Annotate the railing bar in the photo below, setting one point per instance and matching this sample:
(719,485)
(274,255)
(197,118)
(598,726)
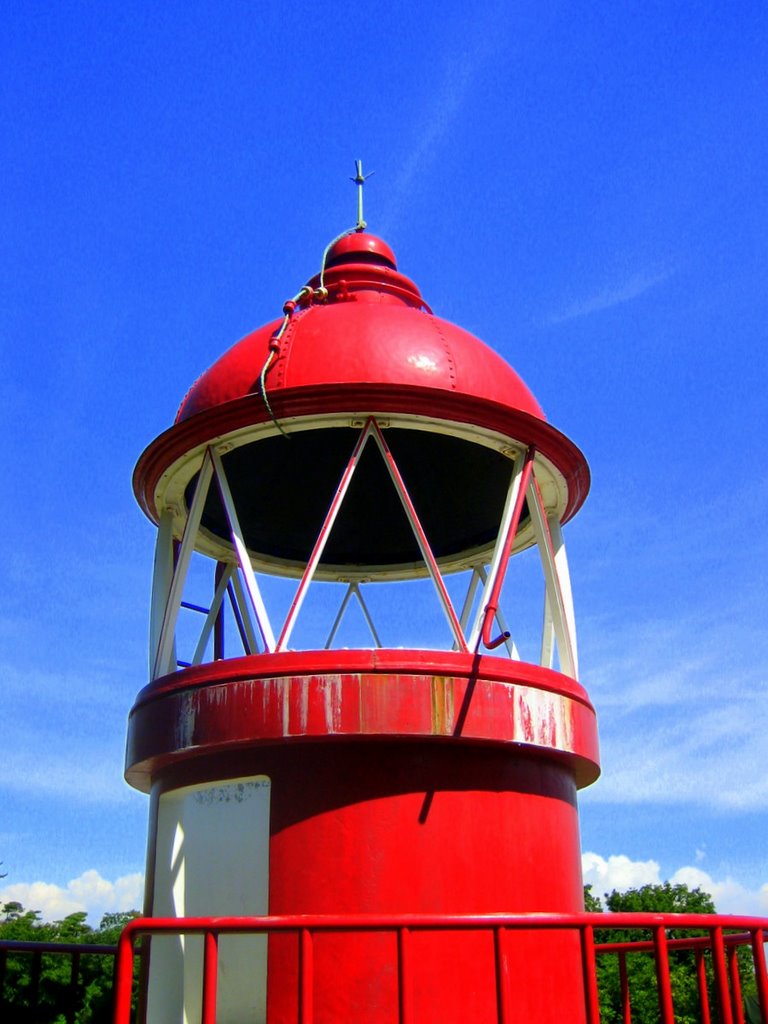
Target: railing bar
(306,977)
(721,976)
(509,642)
(210,976)
(626,1007)
(194,607)
(701,978)
(74,971)
(761,973)
(405,994)
(3,964)
(733,970)
(123,978)
(589,967)
(502,974)
(722,947)
(34,984)
(666,1008)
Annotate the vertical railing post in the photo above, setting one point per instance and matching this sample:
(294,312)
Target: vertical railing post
(74,972)
(3,965)
(502,974)
(626,1006)
(701,978)
(761,974)
(589,968)
(123,978)
(733,971)
(210,976)
(721,976)
(663,982)
(34,985)
(306,977)
(405,988)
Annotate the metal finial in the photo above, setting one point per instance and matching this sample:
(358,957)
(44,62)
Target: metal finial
(359,180)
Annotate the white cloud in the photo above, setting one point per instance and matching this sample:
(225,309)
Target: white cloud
(90,893)
(730,896)
(619,872)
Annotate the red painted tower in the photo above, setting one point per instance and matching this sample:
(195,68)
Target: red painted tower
(361,456)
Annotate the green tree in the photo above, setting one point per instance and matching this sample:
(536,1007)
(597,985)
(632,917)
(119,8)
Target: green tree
(641,973)
(94,987)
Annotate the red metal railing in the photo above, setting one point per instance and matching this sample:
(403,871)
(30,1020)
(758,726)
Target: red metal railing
(718,948)
(37,950)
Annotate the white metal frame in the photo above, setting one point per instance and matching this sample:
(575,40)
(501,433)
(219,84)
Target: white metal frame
(353,590)
(557,580)
(371,430)
(171,567)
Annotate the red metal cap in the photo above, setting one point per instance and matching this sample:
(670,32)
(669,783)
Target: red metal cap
(360,247)
(341,341)
(359,341)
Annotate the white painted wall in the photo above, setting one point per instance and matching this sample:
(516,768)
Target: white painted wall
(212,859)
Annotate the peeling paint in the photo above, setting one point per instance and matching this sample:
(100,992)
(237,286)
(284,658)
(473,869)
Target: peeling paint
(332,690)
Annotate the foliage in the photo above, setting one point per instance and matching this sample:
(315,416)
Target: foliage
(641,973)
(93,995)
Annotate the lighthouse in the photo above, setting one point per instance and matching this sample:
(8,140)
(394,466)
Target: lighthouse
(341,716)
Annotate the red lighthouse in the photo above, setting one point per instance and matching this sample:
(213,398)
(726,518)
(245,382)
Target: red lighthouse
(361,457)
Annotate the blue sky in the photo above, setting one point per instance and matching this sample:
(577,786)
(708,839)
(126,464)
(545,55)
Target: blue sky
(584,187)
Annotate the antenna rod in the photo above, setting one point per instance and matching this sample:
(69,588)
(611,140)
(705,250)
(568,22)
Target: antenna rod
(359,180)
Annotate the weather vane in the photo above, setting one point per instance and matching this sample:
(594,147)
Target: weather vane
(360,180)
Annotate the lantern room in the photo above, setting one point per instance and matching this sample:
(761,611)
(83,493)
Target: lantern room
(360,440)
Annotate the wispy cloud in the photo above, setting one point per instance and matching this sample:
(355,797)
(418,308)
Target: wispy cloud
(613,295)
(679,694)
(444,104)
(681,712)
(50,751)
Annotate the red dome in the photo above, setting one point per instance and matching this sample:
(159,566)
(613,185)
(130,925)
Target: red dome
(338,341)
(359,342)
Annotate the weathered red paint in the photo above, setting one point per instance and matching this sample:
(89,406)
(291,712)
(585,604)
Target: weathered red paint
(327,695)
